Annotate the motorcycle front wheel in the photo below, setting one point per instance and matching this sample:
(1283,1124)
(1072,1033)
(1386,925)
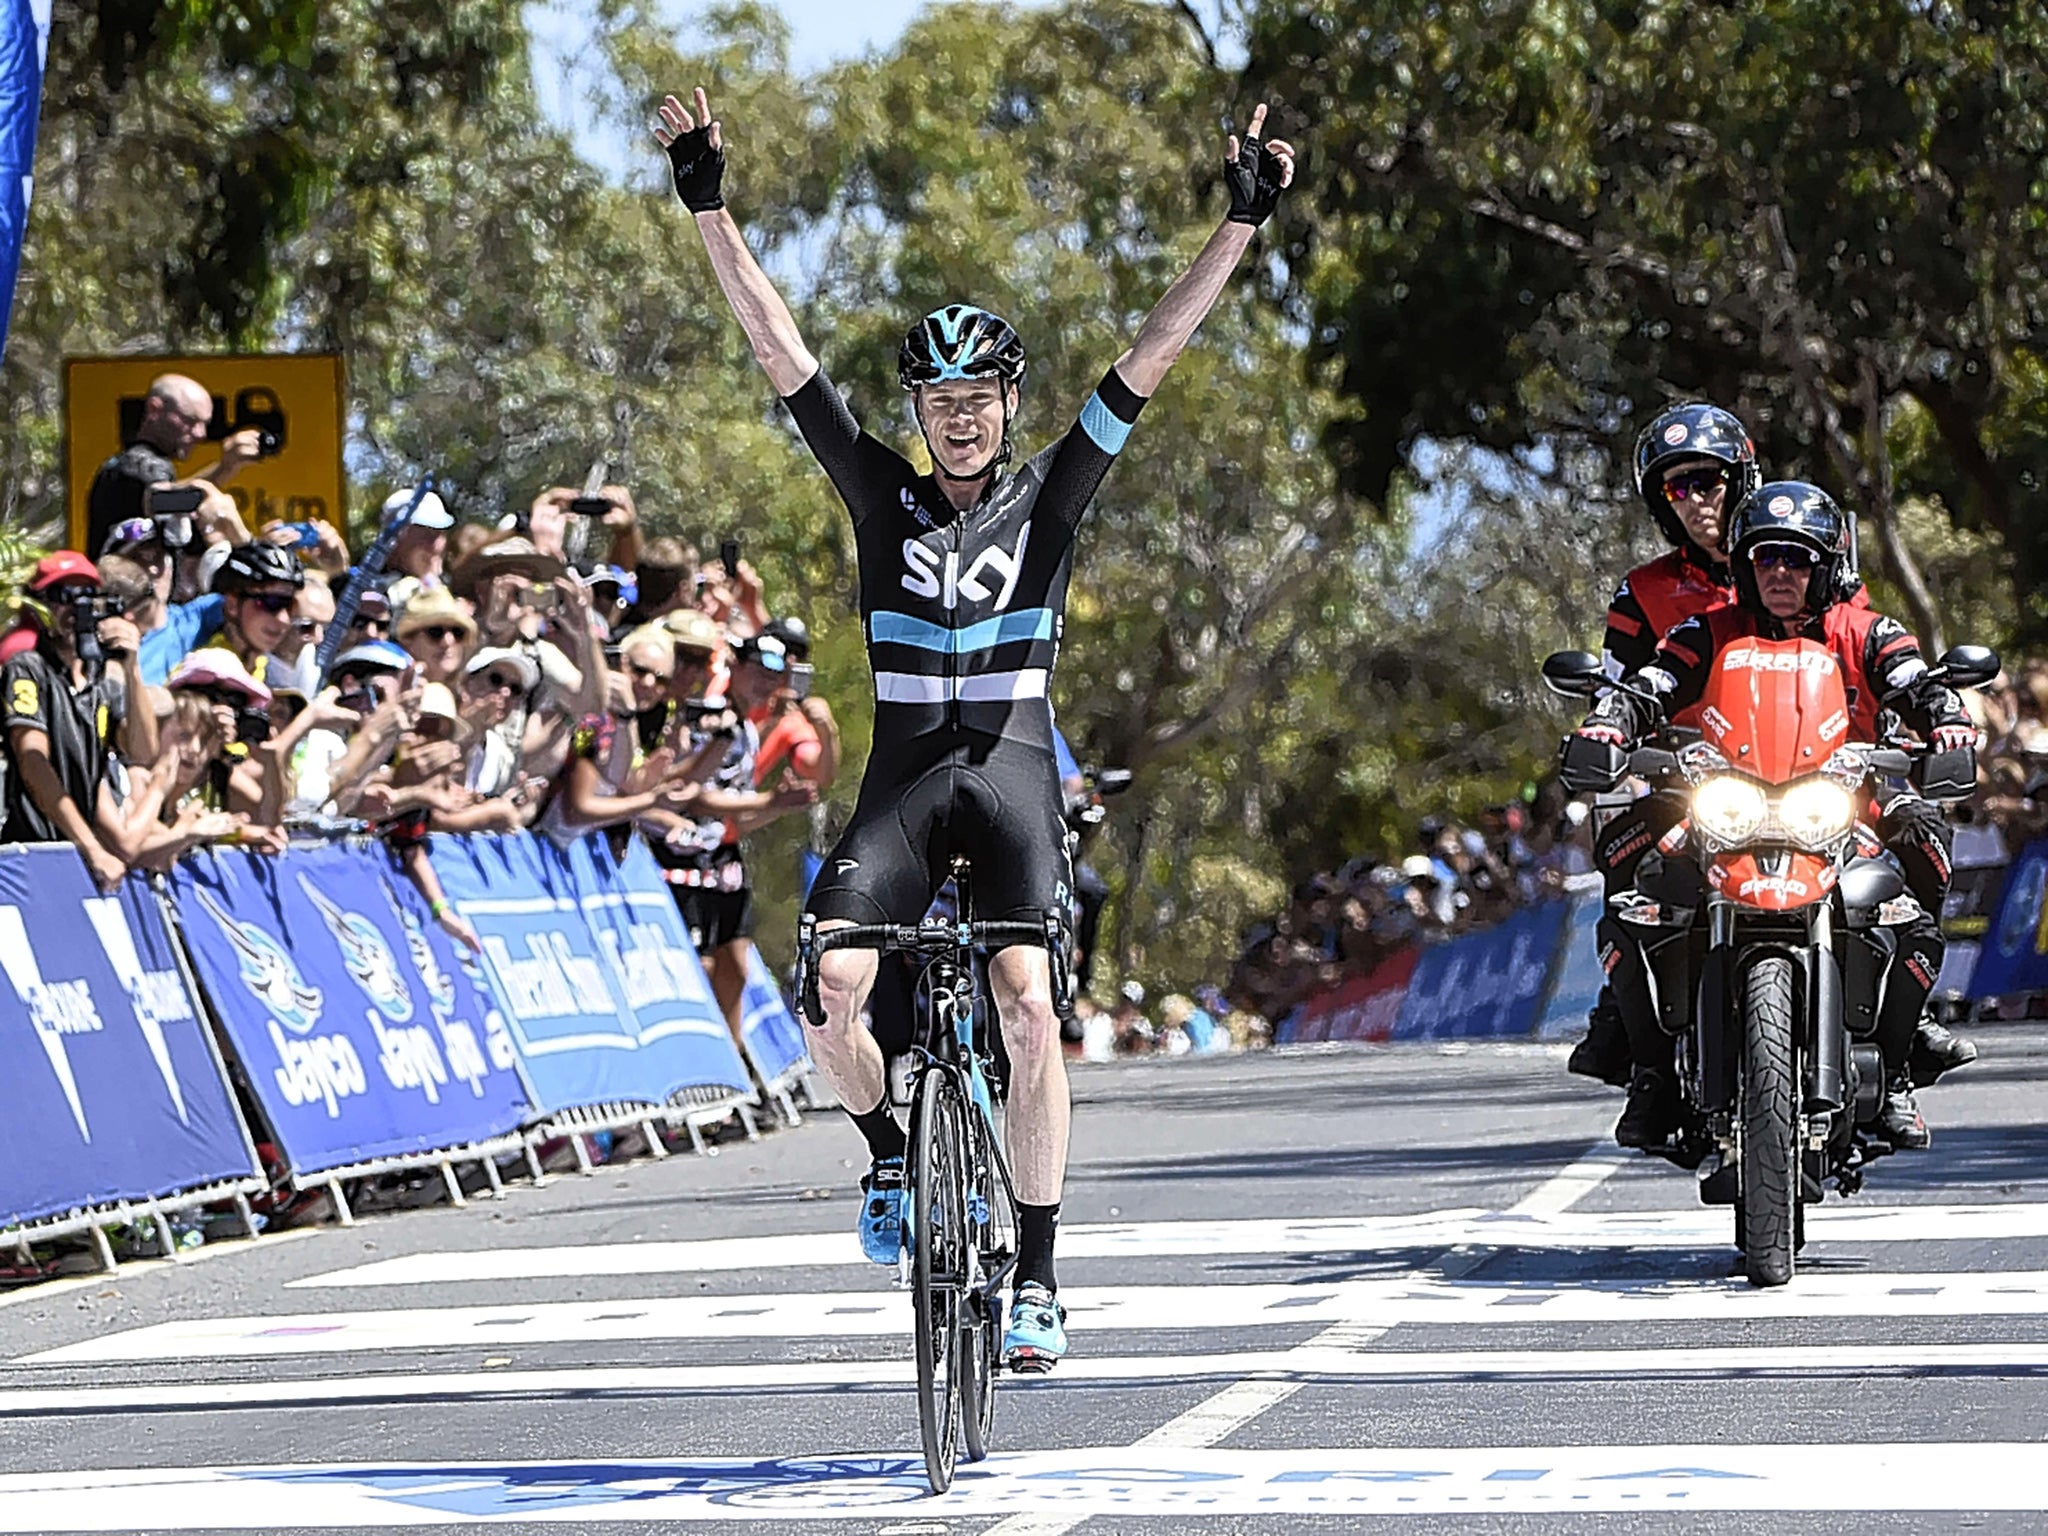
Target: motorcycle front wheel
(1770,1121)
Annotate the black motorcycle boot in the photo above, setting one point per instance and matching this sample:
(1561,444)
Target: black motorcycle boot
(1937,1049)
(1900,1121)
(1652,1112)
(1603,1055)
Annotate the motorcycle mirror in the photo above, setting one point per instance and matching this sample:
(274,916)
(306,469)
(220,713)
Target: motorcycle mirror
(1575,674)
(1968,666)
(1113,781)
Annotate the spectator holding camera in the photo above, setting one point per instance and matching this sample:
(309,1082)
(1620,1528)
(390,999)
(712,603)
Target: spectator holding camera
(797,727)
(67,708)
(176,414)
(417,559)
(245,777)
(558,509)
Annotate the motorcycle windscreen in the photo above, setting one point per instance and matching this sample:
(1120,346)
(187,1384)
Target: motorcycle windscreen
(1776,709)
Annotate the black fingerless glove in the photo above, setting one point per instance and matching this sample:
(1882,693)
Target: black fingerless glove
(1254,182)
(699,170)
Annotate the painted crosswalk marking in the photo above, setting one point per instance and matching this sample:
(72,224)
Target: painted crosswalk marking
(842,1314)
(1126,1481)
(1696,1227)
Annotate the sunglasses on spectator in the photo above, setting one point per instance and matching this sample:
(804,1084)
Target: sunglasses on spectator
(1703,481)
(436,633)
(272,602)
(309,627)
(1786,557)
(492,682)
(647,672)
(368,625)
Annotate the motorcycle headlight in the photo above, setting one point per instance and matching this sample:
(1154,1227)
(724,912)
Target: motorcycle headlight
(1729,809)
(1815,812)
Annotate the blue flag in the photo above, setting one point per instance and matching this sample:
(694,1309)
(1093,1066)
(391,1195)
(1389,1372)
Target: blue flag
(24,37)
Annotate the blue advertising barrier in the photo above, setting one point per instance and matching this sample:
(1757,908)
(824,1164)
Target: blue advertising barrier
(112,1091)
(600,988)
(1485,985)
(2015,953)
(774,1038)
(359,1032)
(1576,977)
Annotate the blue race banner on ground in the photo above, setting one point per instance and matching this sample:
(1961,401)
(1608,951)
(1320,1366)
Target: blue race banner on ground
(359,1031)
(1485,985)
(599,985)
(2015,953)
(113,1091)
(774,1038)
(1576,977)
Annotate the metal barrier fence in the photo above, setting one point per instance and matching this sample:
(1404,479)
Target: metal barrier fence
(311,998)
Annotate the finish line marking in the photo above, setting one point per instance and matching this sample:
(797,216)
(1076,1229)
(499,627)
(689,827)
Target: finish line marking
(1306,1364)
(1128,1482)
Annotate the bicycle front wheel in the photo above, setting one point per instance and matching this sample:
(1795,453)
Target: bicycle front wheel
(939,1263)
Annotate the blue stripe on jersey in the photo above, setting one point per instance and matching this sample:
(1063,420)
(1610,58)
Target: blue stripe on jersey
(1104,426)
(889,628)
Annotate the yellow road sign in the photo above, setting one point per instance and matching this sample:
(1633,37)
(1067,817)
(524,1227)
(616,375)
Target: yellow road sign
(297,399)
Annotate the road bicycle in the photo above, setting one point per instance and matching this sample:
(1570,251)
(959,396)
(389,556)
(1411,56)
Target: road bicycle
(960,1224)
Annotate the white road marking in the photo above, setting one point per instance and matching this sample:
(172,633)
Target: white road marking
(874,1314)
(1214,1420)
(1126,1482)
(1306,1363)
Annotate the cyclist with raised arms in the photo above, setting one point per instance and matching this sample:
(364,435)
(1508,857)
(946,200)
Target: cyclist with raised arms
(963,582)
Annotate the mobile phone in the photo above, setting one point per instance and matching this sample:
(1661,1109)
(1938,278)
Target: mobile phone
(800,679)
(308,535)
(729,557)
(591,506)
(175,500)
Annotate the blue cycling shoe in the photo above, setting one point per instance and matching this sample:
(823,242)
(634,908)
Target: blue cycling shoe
(1037,1336)
(881,1211)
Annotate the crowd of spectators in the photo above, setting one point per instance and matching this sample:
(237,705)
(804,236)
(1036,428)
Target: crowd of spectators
(1346,921)
(188,680)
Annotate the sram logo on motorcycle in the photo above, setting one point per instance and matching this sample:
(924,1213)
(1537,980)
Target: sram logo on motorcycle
(934,573)
(1810,659)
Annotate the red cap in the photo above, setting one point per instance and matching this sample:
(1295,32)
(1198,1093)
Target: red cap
(65,565)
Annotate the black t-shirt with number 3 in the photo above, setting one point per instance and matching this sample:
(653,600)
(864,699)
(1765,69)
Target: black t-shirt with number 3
(80,724)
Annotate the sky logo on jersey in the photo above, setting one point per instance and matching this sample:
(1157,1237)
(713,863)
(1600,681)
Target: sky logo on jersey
(56,1009)
(267,971)
(928,573)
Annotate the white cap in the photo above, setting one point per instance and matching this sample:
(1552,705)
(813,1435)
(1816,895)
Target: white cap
(433,512)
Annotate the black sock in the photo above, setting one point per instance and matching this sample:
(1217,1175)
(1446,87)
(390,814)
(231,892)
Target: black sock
(878,1125)
(1035,1227)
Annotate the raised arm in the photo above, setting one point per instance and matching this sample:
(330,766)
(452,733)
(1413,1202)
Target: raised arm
(1255,172)
(695,142)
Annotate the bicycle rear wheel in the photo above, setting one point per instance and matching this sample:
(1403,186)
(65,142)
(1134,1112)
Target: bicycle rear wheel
(939,1264)
(994,1215)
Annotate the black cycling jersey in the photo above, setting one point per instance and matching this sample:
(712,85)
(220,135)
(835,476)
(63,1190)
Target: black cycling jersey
(963,610)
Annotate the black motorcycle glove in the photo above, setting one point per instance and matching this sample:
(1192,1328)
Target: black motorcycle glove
(1254,182)
(1589,766)
(699,170)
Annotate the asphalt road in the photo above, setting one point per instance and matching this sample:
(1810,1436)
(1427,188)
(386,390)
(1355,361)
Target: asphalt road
(1308,1293)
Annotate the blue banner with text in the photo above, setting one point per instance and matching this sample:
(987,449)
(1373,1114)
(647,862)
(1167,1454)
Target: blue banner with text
(359,1031)
(1485,985)
(773,1038)
(601,990)
(113,1091)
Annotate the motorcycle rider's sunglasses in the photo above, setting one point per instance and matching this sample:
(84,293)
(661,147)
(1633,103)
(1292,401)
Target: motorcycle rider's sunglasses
(1787,557)
(1703,481)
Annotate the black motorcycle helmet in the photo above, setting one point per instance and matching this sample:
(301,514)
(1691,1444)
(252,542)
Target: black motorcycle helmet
(1793,512)
(1694,430)
(251,565)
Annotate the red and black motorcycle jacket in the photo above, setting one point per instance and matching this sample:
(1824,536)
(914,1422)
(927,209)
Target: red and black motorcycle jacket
(1882,668)
(1655,598)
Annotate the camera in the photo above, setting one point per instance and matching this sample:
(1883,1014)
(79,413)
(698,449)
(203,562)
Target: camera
(591,506)
(697,711)
(267,445)
(800,674)
(88,606)
(173,507)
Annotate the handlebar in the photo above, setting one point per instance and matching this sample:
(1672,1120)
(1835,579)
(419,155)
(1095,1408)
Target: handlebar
(931,940)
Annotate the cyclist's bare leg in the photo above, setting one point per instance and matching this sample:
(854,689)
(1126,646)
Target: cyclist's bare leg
(1021,979)
(843,1049)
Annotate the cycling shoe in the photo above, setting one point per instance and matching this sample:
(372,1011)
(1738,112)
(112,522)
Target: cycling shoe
(881,1211)
(1037,1335)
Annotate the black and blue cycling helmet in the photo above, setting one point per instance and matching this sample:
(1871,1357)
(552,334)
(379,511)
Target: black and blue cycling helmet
(1693,430)
(960,341)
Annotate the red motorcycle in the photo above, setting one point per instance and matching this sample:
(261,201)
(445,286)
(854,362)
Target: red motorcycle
(1765,917)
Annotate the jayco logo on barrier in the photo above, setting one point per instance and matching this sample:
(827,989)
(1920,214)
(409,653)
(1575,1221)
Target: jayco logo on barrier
(406,1052)
(466,1060)
(313,1069)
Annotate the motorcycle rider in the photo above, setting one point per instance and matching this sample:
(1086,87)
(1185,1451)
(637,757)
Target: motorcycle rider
(1794,578)
(1693,463)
